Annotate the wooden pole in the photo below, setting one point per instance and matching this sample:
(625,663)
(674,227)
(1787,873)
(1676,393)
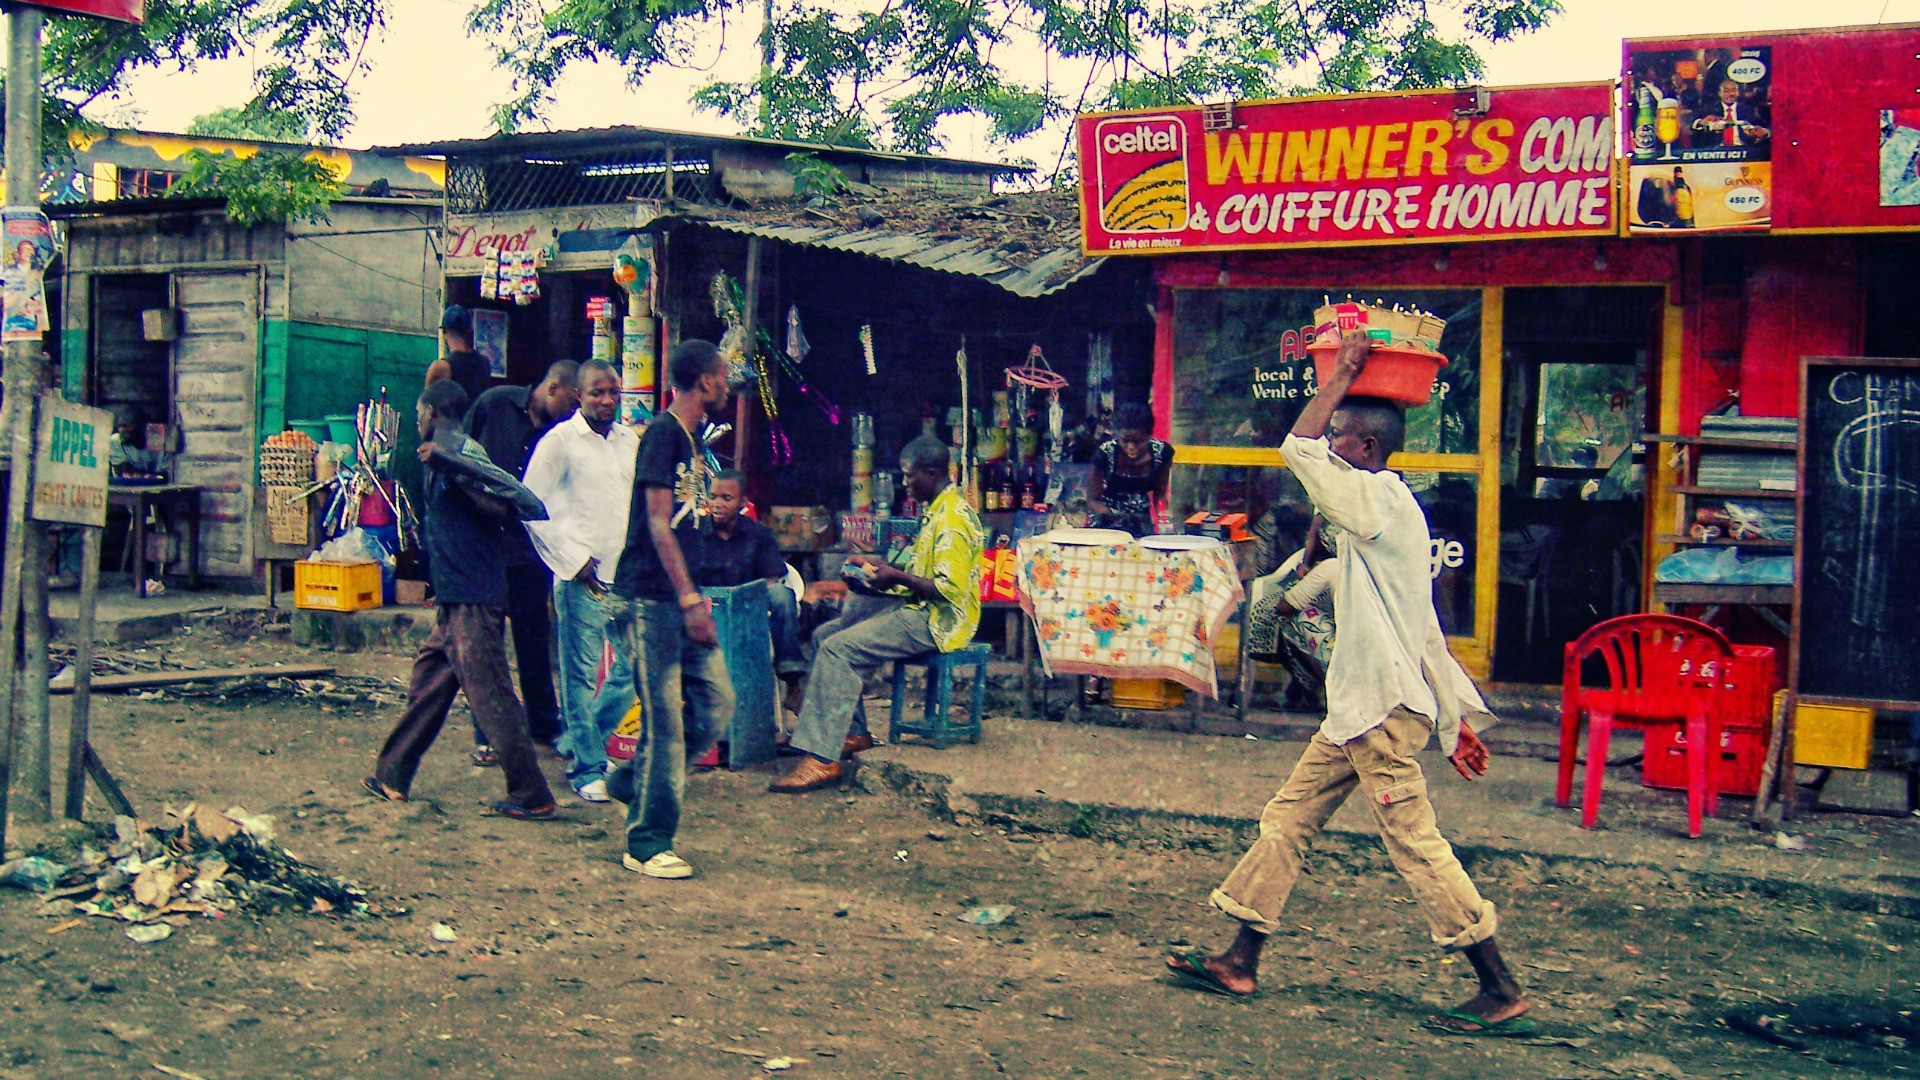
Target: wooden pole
(79,737)
(24,375)
(1762,816)
(750,324)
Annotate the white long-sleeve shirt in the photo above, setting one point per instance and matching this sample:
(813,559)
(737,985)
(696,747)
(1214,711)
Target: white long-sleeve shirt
(1390,651)
(586,480)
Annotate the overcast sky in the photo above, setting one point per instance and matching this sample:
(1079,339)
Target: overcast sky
(429,82)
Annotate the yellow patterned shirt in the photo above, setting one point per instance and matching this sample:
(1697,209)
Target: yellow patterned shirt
(947,553)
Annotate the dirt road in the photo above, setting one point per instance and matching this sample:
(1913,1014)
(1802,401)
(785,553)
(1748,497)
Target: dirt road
(826,930)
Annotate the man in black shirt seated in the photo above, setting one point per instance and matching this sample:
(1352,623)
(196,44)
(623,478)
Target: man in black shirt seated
(732,550)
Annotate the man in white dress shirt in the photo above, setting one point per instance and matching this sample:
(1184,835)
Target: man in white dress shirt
(1390,686)
(583,471)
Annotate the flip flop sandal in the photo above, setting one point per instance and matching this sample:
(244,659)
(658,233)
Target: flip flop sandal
(484,757)
(1513,1027)
(1193,971)
(379,790)
(520,813)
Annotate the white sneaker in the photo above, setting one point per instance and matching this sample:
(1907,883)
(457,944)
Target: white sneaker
(664,865)
(594,791)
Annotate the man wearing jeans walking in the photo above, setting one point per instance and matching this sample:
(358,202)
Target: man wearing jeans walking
(583,470)
(686,699)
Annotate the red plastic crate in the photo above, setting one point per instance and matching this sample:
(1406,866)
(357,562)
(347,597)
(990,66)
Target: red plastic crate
(1746,727)
(1743,752)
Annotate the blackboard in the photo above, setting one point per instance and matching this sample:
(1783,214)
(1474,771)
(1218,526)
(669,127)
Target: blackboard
(1857,552)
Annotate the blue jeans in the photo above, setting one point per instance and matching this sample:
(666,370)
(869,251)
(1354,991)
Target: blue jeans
(687,701)
(783,614)
(589,716)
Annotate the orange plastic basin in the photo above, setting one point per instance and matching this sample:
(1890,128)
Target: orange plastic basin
(1392,372)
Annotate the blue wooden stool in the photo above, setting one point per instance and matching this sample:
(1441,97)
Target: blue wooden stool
(936,723)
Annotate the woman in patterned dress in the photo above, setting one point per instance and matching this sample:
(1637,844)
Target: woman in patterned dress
(1131,473)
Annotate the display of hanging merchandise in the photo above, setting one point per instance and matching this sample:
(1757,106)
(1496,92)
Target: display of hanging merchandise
(866,350)
(604,347)
(1099,375)
(797,345)
(1039,375)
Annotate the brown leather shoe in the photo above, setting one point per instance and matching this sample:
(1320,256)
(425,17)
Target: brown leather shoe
(811,774)
(857,744)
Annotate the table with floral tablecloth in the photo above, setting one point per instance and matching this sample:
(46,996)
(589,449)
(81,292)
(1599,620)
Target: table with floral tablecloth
(1128,611)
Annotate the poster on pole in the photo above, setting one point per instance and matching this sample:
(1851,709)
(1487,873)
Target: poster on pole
(70,462)
(490,339)
(28,236)
(1419,167)
(132,11)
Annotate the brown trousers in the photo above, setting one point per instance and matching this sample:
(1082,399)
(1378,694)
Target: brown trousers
(1381,764)
(466,651)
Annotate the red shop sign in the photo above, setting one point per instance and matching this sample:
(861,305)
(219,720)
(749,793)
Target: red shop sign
(132,11)
(1363,169)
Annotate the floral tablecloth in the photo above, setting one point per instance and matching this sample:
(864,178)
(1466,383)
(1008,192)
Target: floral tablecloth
(1128,611)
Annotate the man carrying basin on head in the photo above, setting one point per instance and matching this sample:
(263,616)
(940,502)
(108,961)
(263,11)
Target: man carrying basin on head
(1390,686)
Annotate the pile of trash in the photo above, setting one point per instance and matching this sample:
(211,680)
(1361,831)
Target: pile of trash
(202,862)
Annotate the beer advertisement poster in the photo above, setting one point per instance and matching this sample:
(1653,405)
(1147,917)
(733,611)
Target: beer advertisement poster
(1700,134)
(1429,166)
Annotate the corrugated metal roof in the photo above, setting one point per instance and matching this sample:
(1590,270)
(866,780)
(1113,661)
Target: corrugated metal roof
(583,140)
(1032,277)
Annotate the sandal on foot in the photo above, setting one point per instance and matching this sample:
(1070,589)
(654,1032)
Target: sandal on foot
(520,813)
(1192,967)
(484,757)
(380,790)
(1466,1023)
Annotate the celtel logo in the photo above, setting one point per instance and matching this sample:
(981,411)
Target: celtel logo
(1142,174)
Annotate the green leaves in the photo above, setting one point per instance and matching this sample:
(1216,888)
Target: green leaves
(307,53)
(893,72)
(267,186)
(236,122)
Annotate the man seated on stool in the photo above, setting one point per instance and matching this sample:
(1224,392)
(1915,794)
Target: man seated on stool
(940,593)
(733,550)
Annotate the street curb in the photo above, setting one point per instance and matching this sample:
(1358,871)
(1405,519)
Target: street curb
(1139,826)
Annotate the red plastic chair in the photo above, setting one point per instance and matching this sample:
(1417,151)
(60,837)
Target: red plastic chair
(1662,670)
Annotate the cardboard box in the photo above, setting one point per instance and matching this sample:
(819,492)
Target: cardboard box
(801,528)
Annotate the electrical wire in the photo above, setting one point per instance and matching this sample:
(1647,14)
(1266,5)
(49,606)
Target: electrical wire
(364,266)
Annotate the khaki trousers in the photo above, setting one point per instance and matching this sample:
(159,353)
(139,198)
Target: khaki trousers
(1381,764)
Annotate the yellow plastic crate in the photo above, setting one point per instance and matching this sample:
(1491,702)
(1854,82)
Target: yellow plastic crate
(336,586)
(1833,736)
(1147,694)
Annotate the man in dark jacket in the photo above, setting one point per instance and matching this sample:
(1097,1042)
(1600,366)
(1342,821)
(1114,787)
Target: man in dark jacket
(470,505)
(508,421)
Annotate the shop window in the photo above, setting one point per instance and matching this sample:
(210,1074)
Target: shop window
(1589,417)
(1242,372)
(1278,512)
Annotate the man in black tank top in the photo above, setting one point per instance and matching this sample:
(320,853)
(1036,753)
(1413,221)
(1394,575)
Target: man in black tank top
(461,364)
